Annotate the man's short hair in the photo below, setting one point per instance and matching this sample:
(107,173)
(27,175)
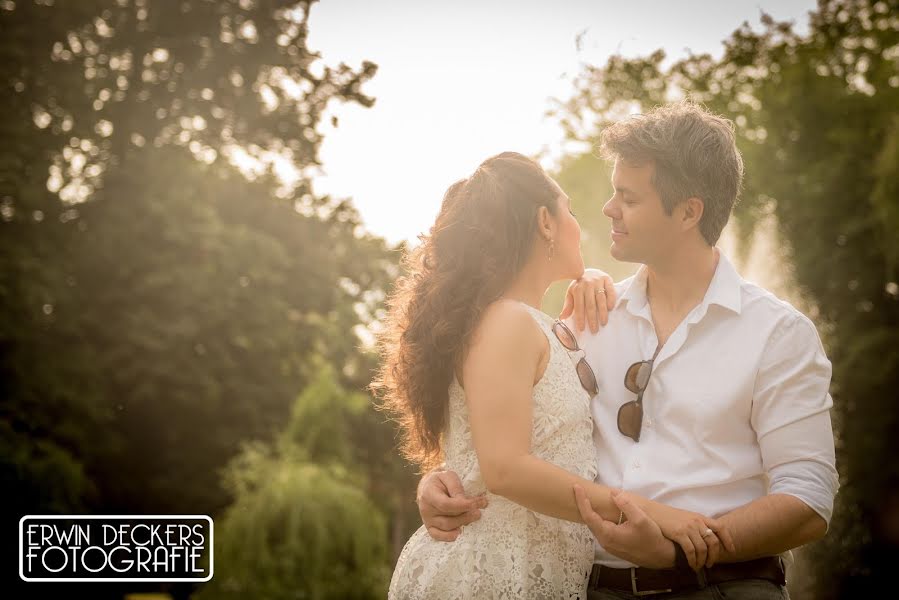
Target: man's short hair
(694,153)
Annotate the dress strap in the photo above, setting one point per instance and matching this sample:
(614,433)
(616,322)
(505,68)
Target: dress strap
(545,322)
(540,316)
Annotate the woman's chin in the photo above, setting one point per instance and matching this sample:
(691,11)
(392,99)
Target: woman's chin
(576,273)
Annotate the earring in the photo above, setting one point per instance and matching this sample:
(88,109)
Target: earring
(552,249)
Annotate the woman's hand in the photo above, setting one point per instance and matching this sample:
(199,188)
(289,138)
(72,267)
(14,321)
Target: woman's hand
(590,297)
(700,536)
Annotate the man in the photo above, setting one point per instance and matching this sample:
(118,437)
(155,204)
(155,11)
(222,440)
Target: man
(713,394)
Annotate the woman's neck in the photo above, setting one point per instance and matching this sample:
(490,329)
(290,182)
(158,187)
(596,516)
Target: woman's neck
(528,287)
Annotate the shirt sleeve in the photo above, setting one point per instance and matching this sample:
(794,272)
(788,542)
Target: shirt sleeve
(791,416)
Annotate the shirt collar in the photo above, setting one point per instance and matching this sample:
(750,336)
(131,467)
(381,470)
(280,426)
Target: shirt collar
(724,289)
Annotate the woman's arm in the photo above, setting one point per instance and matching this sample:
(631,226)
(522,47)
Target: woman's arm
(499,373)
(503,364)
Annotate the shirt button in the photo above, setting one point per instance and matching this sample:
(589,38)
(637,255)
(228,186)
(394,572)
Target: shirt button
(649,423)
(636,464)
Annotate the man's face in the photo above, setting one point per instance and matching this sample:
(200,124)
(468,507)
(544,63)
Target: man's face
(641,230)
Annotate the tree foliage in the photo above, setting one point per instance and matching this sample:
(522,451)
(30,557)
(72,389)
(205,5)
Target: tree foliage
(302,524)
(169,278)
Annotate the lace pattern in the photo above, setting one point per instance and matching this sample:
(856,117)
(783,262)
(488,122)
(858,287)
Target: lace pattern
(511,552)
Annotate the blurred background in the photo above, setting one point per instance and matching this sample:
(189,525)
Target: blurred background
(203,205)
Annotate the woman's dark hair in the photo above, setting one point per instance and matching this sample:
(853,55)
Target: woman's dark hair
(480,241)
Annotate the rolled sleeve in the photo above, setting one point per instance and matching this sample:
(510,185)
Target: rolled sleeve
(813,482)
(791,416)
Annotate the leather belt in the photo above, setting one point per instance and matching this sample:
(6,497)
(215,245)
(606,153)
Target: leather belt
(643,582)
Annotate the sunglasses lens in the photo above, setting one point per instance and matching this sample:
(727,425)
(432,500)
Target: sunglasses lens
(630,378)
(565,336)
(637,376)
(643,375)
(585,374)
(630,420)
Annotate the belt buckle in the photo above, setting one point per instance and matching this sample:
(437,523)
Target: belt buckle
(637,592)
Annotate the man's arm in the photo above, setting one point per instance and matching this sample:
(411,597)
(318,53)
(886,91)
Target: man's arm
(770,525)
(765,527)
(791,417)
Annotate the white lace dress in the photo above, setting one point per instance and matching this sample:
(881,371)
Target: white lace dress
(511,552)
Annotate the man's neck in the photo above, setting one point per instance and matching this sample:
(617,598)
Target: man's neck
(680,282)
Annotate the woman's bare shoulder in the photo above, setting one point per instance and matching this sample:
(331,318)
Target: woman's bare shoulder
(507,324)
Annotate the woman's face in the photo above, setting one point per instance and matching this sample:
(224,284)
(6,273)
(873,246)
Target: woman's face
(567,258)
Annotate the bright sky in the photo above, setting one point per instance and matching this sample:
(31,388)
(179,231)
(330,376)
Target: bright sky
(461,80)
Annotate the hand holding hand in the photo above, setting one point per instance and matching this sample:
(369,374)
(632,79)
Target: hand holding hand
(637,539)
(701,537)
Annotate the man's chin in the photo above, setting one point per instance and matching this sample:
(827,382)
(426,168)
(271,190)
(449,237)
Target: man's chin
(621,255)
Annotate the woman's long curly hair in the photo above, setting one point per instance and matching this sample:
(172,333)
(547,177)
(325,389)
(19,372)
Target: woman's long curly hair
(479,243)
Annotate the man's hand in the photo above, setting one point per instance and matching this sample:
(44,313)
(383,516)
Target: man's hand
(591,298)
(638,540)
(444,507)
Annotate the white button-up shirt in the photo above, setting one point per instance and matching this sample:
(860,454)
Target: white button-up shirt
(737,405)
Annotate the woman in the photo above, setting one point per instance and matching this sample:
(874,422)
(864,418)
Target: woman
(477,375)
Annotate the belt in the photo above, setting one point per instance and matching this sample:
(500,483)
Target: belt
(643,582)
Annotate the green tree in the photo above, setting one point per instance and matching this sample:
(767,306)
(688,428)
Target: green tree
(302,524)
(200,321)
(159,308)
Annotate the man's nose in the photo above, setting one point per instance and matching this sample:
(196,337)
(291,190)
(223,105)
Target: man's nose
(610,210)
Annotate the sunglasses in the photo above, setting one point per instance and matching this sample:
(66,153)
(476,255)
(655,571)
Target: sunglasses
(584,372)
(630,415)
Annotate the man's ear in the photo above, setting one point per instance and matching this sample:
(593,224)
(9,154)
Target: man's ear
(692,208)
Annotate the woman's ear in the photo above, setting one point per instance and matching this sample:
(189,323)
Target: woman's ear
(545,223)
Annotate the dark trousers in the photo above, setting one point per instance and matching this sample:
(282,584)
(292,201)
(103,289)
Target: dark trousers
(745,589)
